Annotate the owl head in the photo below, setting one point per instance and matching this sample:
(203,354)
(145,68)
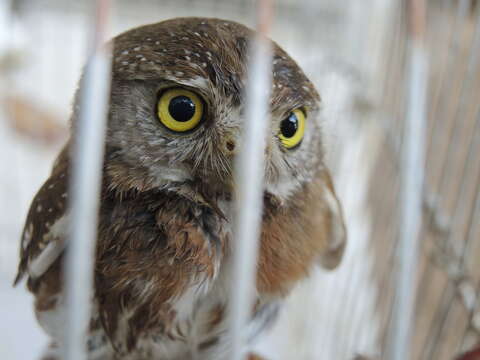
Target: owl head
(177,109)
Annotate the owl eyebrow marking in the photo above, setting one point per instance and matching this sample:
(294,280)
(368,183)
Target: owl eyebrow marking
(198,82)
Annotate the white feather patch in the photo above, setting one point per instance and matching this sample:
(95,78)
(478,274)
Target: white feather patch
(56,244)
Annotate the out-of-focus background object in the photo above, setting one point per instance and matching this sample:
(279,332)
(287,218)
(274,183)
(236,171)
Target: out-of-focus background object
(356,53)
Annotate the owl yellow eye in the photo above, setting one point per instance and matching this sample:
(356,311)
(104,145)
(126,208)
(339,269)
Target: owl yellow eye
(180,110)
(292,129)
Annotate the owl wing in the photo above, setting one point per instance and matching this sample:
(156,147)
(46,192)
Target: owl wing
(45,228)
(156,253)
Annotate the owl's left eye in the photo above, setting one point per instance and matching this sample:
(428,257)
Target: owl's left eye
(179,109)
(292,129)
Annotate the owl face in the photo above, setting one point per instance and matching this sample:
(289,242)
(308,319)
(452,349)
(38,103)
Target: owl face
(177,109)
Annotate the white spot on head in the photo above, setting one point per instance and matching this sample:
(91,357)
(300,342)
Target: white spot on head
(198,82)
(136,48)
(157,42)
(204,64)
(39,208)
(50,210)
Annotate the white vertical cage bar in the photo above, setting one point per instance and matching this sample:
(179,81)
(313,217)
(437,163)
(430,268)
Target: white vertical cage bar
(412,177)
(85,186)
(249,175)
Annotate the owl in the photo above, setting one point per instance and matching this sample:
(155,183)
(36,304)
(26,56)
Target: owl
(163,262)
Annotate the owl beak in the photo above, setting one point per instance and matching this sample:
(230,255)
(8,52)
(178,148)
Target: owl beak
(229,146)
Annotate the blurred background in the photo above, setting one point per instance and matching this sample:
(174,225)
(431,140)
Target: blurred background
(356,52)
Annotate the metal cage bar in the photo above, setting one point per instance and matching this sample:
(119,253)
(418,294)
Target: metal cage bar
(412,174)
(85,184)
(249,175)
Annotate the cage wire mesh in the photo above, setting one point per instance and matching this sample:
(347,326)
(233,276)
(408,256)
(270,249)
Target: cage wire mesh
(356,53)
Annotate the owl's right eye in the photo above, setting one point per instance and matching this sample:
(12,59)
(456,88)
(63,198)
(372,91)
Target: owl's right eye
(292,129)
(179,109)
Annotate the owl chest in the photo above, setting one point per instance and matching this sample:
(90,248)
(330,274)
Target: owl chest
(200,329)
(179,264)
(198,326)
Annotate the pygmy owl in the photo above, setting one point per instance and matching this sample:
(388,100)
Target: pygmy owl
(164,249)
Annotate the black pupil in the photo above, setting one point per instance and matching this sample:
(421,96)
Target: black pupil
(181,108)
(289,126)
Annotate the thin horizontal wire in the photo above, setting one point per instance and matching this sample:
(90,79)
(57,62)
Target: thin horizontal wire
(85,185)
